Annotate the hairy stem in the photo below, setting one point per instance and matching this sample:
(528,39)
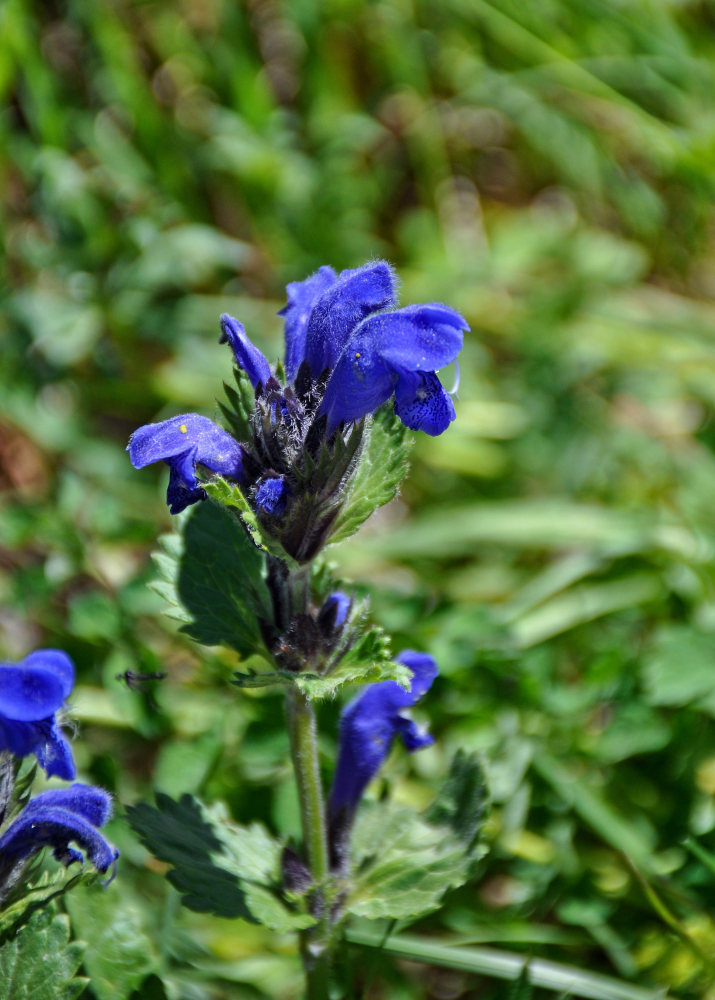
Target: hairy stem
(315,942)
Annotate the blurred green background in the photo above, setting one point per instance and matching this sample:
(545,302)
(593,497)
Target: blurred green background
(547,169)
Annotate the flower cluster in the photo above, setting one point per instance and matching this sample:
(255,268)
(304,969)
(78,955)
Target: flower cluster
(348,351)
(31,694)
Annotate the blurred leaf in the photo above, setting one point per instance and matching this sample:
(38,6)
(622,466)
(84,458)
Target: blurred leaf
(679,667)
(404,862)
(120,953)
(218,866)
(37,893)
(40,962)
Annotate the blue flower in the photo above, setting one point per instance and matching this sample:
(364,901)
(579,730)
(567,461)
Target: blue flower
(397,353)
(31,692)
(336,324)
(57,819)
(184,442)
(368,727)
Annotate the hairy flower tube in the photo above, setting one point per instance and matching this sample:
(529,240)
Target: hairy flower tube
(368,728)
(58,819)
(31,693)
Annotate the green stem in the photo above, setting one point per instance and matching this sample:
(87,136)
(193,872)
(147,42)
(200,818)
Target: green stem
(315,942)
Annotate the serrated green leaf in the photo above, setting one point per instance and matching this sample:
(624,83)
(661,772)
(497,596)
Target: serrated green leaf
(218,866)
(382,467)
(212,578)
(119,954)
(40,962)
(403,864)
(404,861)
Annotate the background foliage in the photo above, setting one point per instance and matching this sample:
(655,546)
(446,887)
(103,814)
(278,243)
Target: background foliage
(545,168)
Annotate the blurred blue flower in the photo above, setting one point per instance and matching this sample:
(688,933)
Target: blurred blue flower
(57,819)
(368,727)
(31,692)
(184,442)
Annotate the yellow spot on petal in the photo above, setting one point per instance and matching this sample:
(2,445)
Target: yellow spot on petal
(184,429)
(357,354)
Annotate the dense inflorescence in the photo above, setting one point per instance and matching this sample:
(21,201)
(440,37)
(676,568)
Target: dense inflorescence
(348,351)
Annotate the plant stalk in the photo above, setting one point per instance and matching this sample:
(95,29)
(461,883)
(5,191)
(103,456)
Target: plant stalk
(315,942)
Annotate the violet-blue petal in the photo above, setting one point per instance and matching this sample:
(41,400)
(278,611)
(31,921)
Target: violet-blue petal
(368,727)
(29,693)
(44,739)
(272,495)
(419,338)
(360,383)
(336,313)
(248,357)
(301,298)
(52,826)
(422,404)
(88,801)
(53,751)
(179,496)
(184,442)
(57,662)
(189,438)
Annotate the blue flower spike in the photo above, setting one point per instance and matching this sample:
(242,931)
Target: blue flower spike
(368,728)
(31,693)
(248,357)
(57,819)
(348,350)
(184,442)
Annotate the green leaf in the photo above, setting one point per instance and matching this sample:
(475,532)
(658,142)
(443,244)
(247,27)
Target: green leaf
(37,893)
(382,467)
(404,861)
(119,954)
(40,963)
(403,864)
(564,980)
(218,866)
(212,578)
